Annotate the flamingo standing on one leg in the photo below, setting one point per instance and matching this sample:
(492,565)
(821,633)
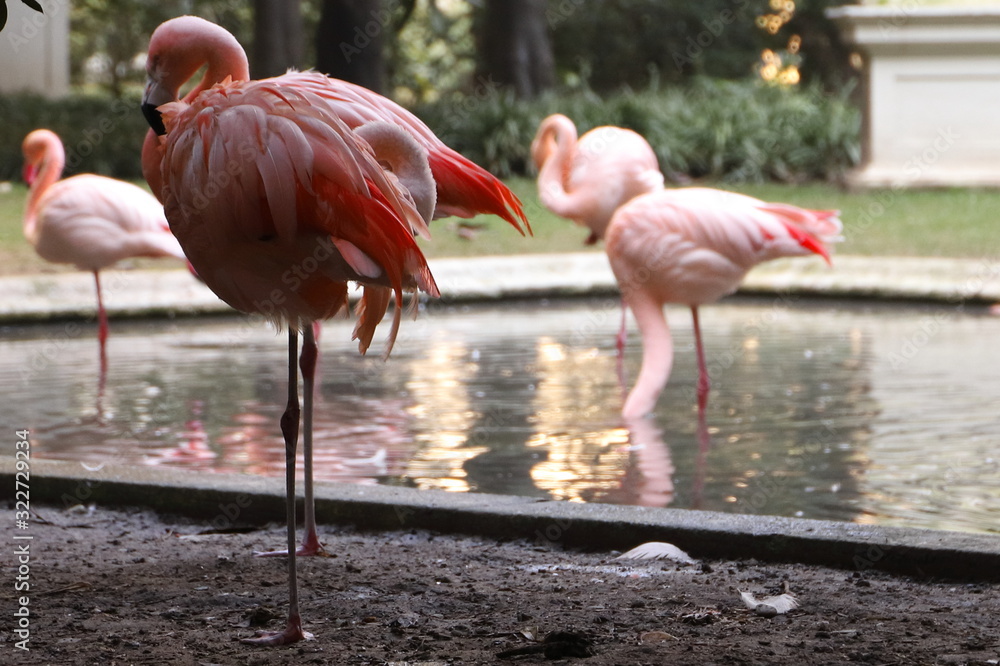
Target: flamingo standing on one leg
(181,46)
(89,221)
(587,180)
(693,246)
(279,203)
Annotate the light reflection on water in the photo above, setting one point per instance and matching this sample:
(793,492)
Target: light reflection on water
(821,410)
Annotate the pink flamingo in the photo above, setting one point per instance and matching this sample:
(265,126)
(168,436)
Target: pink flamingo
(464,189)
(181,46)
(279,203)
(693,246)
(587,180)
(89,221)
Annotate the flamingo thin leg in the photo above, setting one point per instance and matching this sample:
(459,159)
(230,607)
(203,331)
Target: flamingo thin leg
(704,384)
(290,430)
(622,332)
(620,345)
(102,324)
(307,362)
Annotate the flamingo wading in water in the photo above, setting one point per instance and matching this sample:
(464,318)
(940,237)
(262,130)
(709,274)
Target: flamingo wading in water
(279,203)
(693,246)
(587,180)
(89,221)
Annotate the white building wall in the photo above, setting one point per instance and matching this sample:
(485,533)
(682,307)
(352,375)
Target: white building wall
(932,113)
(34,48)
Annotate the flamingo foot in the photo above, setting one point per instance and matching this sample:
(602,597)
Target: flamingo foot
(293,633)
(311,547)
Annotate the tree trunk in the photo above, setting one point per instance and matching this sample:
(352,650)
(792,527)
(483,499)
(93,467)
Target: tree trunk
(277,38)
(349,41)
(514,47)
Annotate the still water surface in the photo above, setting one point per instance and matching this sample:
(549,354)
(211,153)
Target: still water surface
(818,409)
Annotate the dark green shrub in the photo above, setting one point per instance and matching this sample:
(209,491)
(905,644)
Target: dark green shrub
(101,134)
(729,130)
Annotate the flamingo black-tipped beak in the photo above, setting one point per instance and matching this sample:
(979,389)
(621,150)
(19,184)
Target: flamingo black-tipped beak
(29,172)
(153,97)
(154,118)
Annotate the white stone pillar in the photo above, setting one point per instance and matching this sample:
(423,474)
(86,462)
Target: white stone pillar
(932,79)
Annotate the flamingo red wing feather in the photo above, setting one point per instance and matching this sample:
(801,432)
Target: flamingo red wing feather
(465,189)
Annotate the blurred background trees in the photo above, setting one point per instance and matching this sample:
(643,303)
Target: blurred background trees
(278,37)
(528,46)
(513,47)
(483,72)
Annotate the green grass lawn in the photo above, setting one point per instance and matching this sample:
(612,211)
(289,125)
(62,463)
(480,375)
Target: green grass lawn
(940,222)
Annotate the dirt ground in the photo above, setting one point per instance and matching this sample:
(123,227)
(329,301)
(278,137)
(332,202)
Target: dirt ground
(114,588)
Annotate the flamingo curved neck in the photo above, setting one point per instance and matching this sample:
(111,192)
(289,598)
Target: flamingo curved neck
(406,159)
(224,57)
(52,163)
(557,141)
(182,46)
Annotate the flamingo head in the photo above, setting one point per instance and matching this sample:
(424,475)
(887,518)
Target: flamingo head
(178,48)
(36,147)
(548,134)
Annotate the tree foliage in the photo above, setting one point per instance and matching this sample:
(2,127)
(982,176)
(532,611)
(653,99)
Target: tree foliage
(108,37)
(609,44)
(277,37)
(513,47)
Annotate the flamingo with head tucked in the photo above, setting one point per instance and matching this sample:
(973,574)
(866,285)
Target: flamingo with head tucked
(89,221)
(280,201)
(693,246)
(464,189)
(587,180)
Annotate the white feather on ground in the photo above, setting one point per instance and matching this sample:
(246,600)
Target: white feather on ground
(657,550)
(771,606)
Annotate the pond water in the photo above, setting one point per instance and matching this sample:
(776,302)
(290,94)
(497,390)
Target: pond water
(877,414)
